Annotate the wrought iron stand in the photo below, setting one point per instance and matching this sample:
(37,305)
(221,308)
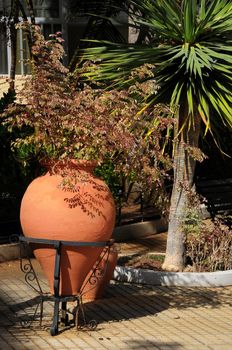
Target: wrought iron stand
(31,278)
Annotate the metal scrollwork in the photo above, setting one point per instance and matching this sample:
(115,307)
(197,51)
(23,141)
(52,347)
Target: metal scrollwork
(14,238)
(97,274)
(27,323)
(80,318)
(30,275)
(91,325)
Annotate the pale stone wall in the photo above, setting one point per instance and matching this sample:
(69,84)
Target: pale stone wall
(4,85)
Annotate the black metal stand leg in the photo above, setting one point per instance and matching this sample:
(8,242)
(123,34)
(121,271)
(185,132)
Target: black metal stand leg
(64,315)
(54,327)
(57,269)
(41,312)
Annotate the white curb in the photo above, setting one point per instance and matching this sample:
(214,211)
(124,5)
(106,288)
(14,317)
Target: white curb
(162,278)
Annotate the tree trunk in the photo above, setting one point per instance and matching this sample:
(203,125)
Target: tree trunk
(184,168)
(25,19)
(13,44)
(31,11)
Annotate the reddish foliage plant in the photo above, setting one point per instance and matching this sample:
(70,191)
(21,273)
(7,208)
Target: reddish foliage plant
(59,117)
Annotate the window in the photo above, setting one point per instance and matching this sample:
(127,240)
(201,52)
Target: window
(50,28)
(46,8)
(22,63)
(22,54)
(3,54)
(47,14)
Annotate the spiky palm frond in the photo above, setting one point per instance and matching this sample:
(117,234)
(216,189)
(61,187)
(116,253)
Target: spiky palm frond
(192,60)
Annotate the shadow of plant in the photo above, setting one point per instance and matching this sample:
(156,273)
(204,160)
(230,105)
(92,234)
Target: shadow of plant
(90,203)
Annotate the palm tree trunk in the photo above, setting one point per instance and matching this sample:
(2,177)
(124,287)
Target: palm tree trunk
(184,168)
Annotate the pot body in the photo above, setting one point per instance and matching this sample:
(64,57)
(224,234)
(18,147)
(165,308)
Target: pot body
(99,277)
(50,211)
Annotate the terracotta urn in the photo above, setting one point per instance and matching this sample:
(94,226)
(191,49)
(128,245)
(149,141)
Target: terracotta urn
(68,203)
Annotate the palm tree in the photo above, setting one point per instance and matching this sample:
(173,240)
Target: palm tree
(191,50)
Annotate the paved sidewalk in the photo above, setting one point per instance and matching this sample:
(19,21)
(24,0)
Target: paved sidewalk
(129,317)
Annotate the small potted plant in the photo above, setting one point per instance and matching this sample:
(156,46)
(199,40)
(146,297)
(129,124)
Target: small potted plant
(71,128)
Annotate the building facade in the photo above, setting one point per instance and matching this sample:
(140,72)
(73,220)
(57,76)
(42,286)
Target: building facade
(52,15)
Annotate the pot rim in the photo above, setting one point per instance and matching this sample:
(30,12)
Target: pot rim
(53,164)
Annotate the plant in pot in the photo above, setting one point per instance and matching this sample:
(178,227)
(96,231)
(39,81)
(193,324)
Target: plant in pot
(71,127)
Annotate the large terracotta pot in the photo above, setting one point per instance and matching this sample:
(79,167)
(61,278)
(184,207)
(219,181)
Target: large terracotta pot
(50,211)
